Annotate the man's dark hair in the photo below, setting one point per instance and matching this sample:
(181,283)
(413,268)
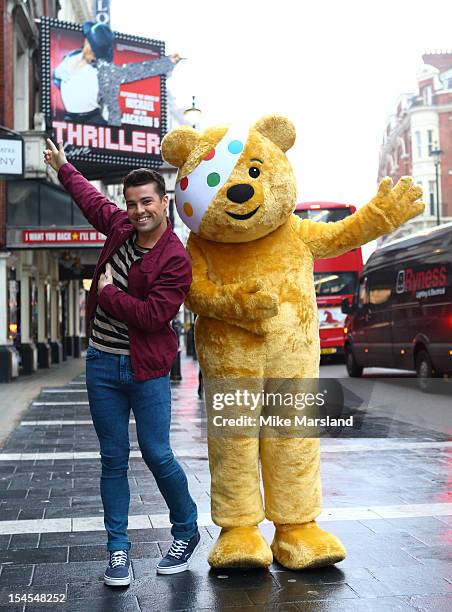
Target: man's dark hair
(143,176)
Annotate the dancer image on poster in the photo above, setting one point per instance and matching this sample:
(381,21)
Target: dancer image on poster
(90,83)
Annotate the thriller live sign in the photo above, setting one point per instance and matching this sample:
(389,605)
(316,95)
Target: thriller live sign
(82,138)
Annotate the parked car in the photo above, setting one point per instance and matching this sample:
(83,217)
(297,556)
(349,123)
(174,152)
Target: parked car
(401,314)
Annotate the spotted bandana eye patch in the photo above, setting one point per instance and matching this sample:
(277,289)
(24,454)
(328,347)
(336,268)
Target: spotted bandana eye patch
(197,190)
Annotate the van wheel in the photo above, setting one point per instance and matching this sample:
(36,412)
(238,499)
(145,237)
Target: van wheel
(353,368)
(425,372)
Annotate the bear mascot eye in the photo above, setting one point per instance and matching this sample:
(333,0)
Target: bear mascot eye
(254,172)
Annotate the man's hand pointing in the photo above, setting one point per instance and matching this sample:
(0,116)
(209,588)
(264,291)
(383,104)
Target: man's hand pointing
(54,157)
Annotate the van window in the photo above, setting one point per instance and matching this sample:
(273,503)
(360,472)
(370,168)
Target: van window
(335,283)
(363,295)
(380,286)
(379,296)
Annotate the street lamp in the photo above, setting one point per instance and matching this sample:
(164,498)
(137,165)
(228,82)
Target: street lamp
(193,114)
(436,154)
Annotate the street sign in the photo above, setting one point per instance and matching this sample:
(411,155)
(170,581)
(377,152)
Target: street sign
(102,11)
(11,156)
(62,236)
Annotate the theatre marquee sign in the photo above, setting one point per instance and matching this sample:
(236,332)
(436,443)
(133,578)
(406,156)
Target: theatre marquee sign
(104,95)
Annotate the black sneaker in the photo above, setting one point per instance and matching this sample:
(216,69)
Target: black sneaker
(178,557)
(118,570)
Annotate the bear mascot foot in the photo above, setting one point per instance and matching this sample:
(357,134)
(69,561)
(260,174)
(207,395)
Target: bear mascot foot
(306,546)
(240,547)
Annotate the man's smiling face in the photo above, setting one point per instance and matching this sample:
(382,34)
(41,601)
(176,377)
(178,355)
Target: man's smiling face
(146,209)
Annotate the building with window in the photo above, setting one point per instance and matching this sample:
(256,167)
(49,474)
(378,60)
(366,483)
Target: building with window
(30,290)
(48,251)
(422,123)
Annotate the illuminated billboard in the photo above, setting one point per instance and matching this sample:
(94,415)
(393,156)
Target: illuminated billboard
(104,95)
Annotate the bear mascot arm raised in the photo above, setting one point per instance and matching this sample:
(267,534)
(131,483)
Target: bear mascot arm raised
(390,208)
(257,326)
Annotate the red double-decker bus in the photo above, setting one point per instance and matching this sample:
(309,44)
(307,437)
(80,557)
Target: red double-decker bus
(334,279)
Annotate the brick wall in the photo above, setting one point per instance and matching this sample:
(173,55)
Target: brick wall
(7,83)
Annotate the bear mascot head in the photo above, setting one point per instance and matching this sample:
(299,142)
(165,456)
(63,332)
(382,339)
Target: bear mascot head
(235,184)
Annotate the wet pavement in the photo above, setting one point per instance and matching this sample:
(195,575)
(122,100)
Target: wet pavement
(387,499)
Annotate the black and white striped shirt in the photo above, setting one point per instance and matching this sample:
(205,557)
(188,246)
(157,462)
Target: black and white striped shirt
(107,333)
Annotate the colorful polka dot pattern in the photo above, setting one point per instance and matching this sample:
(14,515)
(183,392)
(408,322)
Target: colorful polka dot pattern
(235,146)
(213,179)
(195,192)
(188,210)
(210,155)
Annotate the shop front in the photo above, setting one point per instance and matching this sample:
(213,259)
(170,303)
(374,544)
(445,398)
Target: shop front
(48,263)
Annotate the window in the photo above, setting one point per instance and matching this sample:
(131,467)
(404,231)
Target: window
(326,215)
(363,295)
(23,203)
(13,309)
(427,95)
(77,216)
(430,140)
(55,207)
(380,284)
(335,283)
(446,79)
(21,82)
(418,143)
(34,203)
(379,295)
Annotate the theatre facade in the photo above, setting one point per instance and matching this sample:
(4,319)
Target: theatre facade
(48,251)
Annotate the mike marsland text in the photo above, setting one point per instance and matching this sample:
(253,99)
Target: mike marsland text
(278,421)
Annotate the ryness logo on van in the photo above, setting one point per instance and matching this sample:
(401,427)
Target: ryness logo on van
(414,281)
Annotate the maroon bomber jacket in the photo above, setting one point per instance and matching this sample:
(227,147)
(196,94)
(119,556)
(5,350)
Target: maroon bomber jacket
(157,286)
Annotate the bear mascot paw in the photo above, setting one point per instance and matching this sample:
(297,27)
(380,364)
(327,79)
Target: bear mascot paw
(306,546)
(240,547)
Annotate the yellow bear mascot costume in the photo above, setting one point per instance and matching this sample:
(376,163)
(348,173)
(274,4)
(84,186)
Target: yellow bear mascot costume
(254,296)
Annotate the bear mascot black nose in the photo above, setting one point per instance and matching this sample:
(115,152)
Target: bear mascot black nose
(240,193)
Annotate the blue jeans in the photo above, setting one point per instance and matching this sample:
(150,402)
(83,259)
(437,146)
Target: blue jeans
(112,392)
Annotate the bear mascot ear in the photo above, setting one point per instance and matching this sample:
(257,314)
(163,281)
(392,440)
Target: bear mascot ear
(178,144)
(278,129)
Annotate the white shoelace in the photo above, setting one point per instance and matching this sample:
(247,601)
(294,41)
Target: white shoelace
(118,557)
(178,548)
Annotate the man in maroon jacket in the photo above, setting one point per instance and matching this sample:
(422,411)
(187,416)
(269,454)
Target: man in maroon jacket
(141,279)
